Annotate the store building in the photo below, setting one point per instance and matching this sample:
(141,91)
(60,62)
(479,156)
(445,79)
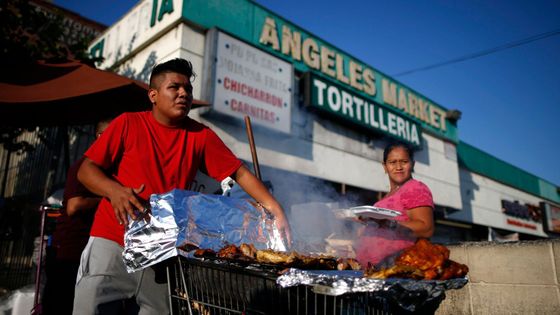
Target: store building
(511,202)
(321,117)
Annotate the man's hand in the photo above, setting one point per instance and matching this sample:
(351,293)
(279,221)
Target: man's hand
(125,202)
(256,189)
(283,226)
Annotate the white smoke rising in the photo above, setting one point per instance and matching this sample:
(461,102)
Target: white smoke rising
(309,203)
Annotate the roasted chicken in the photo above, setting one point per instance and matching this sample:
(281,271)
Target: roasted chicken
(395,271)
(423,260)
(427,257)
(453,269)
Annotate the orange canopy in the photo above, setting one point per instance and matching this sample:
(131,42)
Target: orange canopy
(67,94)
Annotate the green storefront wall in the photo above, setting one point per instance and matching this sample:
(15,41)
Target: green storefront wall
(244,19)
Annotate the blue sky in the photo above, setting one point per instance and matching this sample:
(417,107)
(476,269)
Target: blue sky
(510,99)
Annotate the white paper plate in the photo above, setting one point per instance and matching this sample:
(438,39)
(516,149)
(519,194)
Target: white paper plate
(366,212)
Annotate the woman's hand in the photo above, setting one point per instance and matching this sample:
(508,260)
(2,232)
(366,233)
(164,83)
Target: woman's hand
(381,223)
(388,224)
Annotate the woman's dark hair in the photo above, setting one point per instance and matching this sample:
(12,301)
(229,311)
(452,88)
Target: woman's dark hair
(177,65)
(393,145)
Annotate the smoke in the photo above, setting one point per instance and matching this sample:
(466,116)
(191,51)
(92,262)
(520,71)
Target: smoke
(309,204)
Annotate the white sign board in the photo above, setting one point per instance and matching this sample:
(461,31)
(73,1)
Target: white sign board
(251,82)
(141,24)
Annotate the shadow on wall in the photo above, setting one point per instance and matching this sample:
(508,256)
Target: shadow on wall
(423,155)
(144,74)
(468,188)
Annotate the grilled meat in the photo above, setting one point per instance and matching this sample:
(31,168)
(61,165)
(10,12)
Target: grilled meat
(424,256)
(296,260)
(315,262)
(229,252)
(348,264)
(248,250)
(354,264)
(204,253)
(396,272)
(452,270)
(431,261)
(341,264)
(243,253)
(248,253)
(269,256)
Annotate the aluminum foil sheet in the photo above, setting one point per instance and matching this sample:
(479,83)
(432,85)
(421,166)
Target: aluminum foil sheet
(181,220)
(407,293)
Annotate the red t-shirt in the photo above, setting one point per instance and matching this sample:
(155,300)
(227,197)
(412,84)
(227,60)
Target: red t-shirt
(143,151)
(378,243)
(71,233)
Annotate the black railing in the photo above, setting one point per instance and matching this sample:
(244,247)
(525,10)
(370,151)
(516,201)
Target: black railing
(19,239)
(26,178)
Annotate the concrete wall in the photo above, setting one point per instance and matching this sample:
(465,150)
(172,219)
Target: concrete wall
(507,278)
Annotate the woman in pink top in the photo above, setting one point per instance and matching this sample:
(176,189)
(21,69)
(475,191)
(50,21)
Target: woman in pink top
(407,195)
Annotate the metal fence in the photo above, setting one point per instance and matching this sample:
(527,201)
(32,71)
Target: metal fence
(27,179)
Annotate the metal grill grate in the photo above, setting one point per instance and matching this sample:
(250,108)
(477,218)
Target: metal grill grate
(207,287)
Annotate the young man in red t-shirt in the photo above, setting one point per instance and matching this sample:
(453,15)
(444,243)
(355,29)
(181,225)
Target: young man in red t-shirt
(150,152)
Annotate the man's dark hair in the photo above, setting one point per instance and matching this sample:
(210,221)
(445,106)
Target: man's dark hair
(177,65)
(100,123)
(397,144)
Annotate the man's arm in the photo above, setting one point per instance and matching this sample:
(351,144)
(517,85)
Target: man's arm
(256,189)
(78,203)
(123,199)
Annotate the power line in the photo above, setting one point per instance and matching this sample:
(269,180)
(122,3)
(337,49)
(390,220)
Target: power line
(482,53)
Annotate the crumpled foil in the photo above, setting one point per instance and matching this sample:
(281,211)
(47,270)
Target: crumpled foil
(187,219)
(407,293)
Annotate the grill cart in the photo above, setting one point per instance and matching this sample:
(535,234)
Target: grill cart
(182,221)
(214,287)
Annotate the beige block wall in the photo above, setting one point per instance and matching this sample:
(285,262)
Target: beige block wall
(507,278)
